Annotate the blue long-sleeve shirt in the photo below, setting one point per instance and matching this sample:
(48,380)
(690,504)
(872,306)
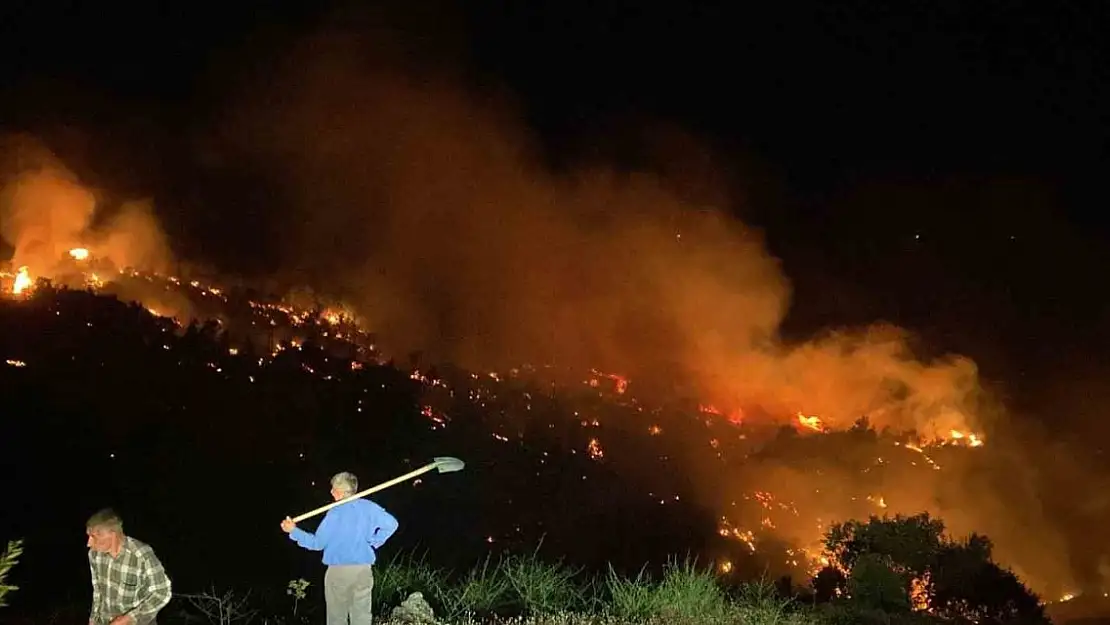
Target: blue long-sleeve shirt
(349,533)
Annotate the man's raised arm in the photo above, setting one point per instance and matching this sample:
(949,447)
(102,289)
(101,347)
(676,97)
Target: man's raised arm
(317,541)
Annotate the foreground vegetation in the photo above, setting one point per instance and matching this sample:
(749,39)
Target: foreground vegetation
(8,559)
(524,589)
(881,571)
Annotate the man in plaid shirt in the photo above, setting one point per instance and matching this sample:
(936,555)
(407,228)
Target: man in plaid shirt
(129,584)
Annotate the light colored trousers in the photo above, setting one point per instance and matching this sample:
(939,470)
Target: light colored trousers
(347,592)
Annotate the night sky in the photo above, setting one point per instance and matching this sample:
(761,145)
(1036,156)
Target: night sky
(936,165)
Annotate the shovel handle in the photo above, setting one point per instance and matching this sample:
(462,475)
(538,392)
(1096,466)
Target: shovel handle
(372,489)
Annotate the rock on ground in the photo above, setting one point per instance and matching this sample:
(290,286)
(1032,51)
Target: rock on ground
(413,611)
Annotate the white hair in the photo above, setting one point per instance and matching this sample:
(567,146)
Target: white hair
(105,519)
(346,483)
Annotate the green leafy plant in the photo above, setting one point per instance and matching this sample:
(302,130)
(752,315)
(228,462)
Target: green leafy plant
(407,573)
(8,560)
(539,587)
(481,591)
(689,592)
(296,589)
(634,599)
(758,604)
(686,593)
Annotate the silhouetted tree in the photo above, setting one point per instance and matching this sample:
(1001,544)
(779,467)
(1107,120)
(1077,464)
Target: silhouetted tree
(903,563)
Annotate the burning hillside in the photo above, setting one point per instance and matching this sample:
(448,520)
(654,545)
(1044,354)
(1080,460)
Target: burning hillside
(777,484)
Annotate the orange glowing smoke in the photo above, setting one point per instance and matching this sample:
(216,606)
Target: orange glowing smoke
(50,217)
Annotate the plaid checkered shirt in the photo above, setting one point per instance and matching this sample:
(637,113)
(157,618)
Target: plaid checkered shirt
(133,583)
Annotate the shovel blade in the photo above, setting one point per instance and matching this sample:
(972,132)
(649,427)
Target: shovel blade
(447,464)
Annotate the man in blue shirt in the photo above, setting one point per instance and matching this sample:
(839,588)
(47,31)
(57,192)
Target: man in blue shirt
(348,536)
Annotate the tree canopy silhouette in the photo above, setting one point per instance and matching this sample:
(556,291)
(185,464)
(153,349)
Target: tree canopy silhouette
(906,564)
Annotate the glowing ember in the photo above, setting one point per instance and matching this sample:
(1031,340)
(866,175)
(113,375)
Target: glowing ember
(595,450)
(735,417)
(79,253)
(22,281)
(725,567)
(620,383)
(728,530)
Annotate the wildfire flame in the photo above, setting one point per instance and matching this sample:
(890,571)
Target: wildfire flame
(595,450)
(919,593)
(22,281)
(79,253)
(735,417)
(813,423)
(972,439)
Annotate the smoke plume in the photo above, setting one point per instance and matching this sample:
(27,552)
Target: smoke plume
(45,212)
(432,207)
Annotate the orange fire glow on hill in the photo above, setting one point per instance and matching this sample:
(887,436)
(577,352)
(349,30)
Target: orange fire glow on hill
(788,511)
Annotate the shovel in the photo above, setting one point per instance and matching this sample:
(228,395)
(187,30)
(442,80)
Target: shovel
(444,464)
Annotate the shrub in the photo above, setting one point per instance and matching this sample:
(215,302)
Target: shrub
(691,593)
(633,599)
(229,608)
(542,588)
(685,593)
(403,574)
(759,604)
(483,592)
